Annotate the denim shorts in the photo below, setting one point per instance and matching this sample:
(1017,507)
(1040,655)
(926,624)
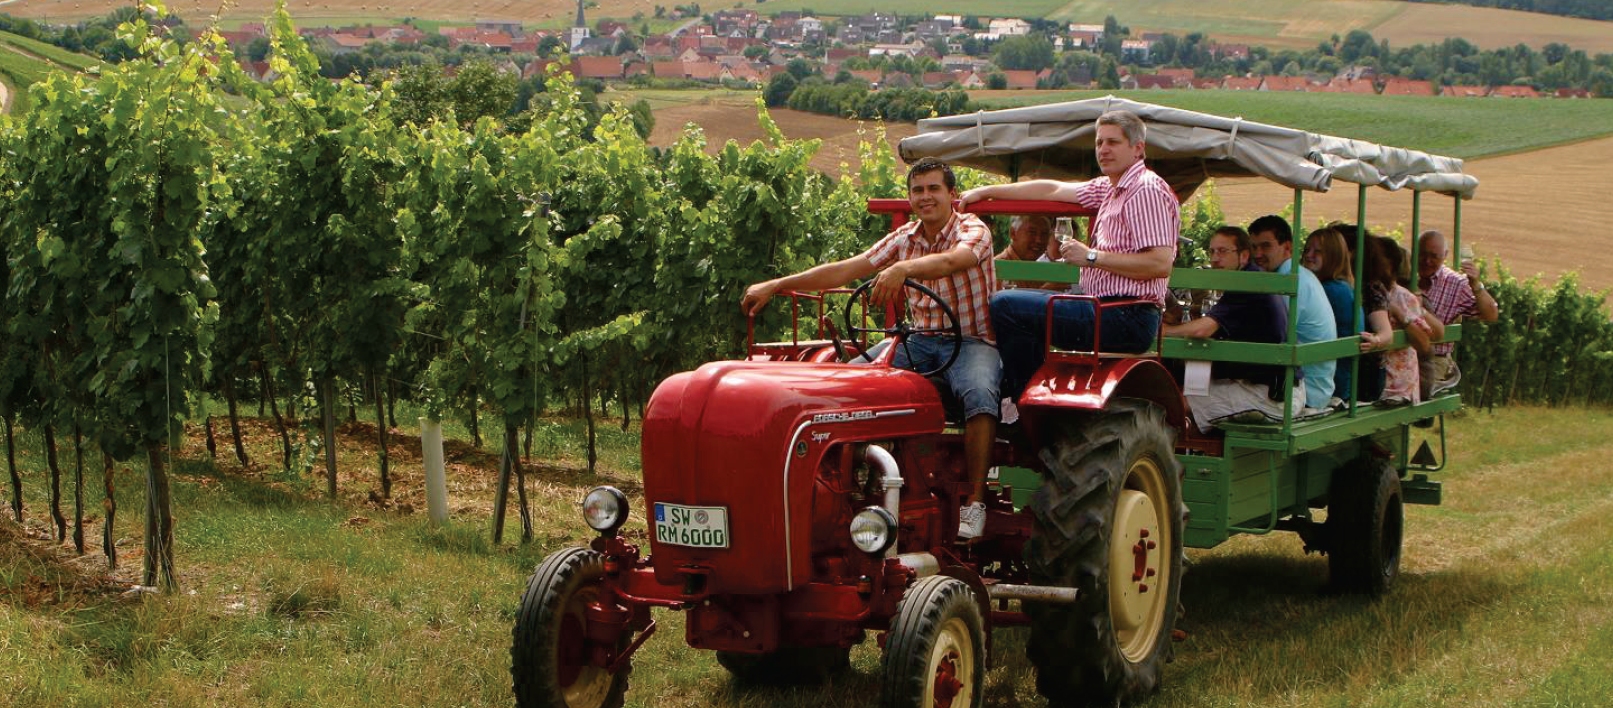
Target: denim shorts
(973,377)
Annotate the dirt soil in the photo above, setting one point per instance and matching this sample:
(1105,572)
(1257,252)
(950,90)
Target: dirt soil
(56,575)
(726,121)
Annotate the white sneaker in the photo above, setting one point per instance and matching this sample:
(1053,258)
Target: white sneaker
(1010,412)
(971,520)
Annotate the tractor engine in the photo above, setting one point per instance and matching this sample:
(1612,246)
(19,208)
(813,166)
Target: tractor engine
(754,474)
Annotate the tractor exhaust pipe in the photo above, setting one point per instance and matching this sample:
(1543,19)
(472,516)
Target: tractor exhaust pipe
(890,480)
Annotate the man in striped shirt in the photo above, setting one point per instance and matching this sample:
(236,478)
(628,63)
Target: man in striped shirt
(1133,246)
(1451,296)
(949,252)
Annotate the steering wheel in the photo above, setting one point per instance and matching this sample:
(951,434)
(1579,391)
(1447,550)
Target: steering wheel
(902,330)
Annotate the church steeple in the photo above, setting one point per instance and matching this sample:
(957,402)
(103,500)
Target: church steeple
(579,31)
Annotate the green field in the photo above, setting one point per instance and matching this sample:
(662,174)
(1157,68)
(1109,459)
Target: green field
(52,53)
(21,66)
(289,600)
(1465,128)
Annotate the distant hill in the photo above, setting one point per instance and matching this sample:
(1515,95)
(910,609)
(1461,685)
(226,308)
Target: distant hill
(1274,23)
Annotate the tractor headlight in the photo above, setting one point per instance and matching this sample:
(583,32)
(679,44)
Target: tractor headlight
(604,509)
(873,530)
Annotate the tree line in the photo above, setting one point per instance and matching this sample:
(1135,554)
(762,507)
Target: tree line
(1455,61)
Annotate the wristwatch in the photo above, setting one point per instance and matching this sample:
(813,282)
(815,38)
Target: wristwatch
(1092,256)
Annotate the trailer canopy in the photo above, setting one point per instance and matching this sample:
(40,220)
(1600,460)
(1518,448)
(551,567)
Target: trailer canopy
(1184,147)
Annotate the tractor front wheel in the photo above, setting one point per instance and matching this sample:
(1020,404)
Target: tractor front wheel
(935,653)
(552,657)
(1109,522)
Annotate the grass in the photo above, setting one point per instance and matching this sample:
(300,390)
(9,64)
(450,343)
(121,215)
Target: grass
(1465,128)
(287,599)
(50,52)
(25,62)
(668,98)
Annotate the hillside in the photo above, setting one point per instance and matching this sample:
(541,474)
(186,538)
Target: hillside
(1276,23)
(24,62)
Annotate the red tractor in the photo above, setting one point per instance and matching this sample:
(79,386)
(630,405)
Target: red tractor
(807,495)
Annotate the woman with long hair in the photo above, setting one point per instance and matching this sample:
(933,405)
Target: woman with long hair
(1328,257)
(1390,306)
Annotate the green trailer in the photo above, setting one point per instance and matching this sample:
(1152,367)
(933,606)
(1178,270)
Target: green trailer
(1359,463)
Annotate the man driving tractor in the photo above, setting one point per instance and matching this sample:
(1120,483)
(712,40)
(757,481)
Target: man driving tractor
(951,253)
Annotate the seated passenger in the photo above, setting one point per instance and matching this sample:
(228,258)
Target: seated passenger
(1390,306)
(1272,241)
(1133,246)
(1237,387)
(1030,238)
(1327,256)
(1451,296)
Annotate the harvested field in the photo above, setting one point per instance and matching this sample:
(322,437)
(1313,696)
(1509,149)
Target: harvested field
(1490,28)
(1541,212)
(736,120)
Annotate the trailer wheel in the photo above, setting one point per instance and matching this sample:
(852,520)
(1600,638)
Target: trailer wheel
(550,656)
(935,653)
(1365,521)
(789,666)
(1109,522)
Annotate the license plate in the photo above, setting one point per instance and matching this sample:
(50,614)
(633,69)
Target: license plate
(696,526)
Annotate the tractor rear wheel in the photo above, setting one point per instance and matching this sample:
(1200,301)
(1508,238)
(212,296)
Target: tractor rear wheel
(550,658)
(789,666)
(1365,521)
(1109,522)
(935,655)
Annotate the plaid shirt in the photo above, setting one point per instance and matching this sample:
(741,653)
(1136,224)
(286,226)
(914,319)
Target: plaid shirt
(968,290)
(1136,214)
(1450,298)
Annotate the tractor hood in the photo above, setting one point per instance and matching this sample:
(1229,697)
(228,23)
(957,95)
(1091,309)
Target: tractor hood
(748,438)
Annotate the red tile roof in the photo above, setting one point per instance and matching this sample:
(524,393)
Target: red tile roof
(1407,87)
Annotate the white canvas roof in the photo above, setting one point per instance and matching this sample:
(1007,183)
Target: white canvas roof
(1185,147)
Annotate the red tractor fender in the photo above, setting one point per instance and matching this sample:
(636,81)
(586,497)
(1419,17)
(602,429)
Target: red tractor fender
(1077,382)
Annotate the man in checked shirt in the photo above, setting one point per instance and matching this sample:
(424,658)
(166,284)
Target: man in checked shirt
(949,252)
(1133,246)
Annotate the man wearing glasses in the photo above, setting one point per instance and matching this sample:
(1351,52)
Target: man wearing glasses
(1237,387)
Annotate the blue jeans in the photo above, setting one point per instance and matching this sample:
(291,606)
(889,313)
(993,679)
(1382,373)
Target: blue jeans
(973,377)
(1019,317)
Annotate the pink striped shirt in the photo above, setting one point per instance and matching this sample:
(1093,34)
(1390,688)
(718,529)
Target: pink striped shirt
(1450,298)
(1138,213)
(968,291)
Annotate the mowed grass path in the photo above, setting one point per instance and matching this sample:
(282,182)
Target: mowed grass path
(288,600)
